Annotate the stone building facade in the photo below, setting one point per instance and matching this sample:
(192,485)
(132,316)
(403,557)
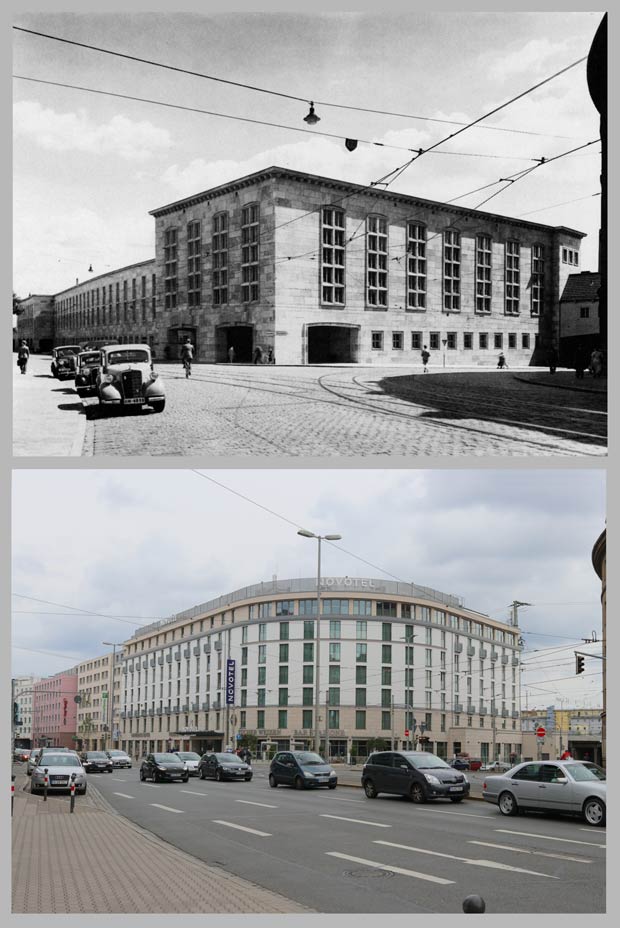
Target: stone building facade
(394,658)
(54,710)
(35,322)
(316,270)
(23,695)
(98,711)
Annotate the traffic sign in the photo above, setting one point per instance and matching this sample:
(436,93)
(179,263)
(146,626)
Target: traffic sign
(406,732)
(540,732)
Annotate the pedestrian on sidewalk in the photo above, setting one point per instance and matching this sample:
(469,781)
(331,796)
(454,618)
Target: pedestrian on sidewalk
(552,360)
(425,355)
(23,353)
(258,355)
(581,361)
(501,361)
(596,363)
(231,354)
(271,359)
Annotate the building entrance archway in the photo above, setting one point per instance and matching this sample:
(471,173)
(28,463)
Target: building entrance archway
(239,337)
(333,343)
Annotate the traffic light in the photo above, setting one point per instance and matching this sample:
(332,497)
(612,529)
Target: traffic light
(579,663)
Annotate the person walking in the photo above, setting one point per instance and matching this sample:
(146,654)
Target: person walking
(23,353)
(552,360)
(581,362)
(596,363)
(247,756)
(501,361)
(258,355)
(187,355)
(271,359)
(425,355)
(231,354)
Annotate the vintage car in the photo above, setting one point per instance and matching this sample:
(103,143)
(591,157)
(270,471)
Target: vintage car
(64,361)
(126,378)
(89,363)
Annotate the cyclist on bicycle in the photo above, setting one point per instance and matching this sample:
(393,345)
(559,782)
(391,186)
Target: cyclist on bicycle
(187,354)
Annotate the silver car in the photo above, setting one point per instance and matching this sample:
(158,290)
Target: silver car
(551,786)
(119,758)
(30,763)
(191,760)
(59,769)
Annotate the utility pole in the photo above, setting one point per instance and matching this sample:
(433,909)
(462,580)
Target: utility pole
(326,755)
(392,722)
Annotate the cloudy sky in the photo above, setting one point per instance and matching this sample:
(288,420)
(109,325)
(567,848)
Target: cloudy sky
(143,544)
(89,166)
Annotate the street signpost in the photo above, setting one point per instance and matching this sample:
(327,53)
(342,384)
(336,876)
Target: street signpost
(540,732)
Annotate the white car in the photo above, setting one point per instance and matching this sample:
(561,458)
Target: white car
(126,378)
(119,758)
(499,766)
(61,769)
(191,760)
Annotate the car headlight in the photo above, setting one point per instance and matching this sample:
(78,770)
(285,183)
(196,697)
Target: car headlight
(153,375)
(432,779)
(308,774)
(160,768)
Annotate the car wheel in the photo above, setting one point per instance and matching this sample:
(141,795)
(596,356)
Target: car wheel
(82,792)
(185,779)
(299,783)
(155,777)
(594,812)
(158,405)
(507,804)
(247,779)
(33,789)
(201,774)
(370,789)
(456,799)
(332,785)
(417,793)
(272,781)
(142,776)
(218,776)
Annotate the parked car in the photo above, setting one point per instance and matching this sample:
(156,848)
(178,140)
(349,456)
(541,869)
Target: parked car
(551,786)
(163,767)
(88,365)
(64,361)
(301,769)
(119,758)
(417,774)
(191,759)
(96,762)
(59,768)
(475,763)
(223,767)
(21,755)
(126,378)
(497,766)
(460,763)
(30,763)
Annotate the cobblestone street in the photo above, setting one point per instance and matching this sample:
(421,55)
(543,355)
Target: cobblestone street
(332,412)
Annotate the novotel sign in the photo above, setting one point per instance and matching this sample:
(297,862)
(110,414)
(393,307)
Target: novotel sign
(355,583)
(230,682)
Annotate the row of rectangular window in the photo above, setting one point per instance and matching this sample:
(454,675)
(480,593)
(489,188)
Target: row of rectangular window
(450,340)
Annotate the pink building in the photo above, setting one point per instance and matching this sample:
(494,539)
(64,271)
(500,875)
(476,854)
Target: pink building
(54,710)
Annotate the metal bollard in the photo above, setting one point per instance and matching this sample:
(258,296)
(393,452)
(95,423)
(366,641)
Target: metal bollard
(45,782)
(12,791)
(72,802)
(473,904)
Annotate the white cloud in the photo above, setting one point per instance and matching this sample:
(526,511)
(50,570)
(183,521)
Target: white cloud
(76,132)
(531,59)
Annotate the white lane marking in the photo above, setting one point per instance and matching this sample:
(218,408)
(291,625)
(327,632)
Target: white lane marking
(124,795)
(167,808)
(358,821)
(473,861)
(601,831)
(118,779)
(151,785)
(191,792)
(390,869)
(253,831)
(248,802)
(338,799)
(525,850)
(527,834)
(436,811)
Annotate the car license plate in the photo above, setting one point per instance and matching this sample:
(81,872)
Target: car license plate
(59,780)
(456,789)
(135,399)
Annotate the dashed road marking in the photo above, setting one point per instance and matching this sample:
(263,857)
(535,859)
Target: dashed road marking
(358,821)
(191,792)
(124,795)
(473,861)
(248,802)
(252,831)
(526,850)
(527,834)
(379,866)
(167,808)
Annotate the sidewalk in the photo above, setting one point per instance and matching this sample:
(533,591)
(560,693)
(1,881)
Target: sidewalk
(47,413)
(95,861)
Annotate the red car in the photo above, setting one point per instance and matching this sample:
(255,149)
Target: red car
(475,763)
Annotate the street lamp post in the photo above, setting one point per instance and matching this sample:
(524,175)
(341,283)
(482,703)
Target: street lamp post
(110,712)
(317,656)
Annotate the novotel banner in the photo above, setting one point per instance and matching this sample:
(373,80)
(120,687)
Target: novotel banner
(355,583)
(230,682)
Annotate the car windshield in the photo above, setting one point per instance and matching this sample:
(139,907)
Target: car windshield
(227,758)
(96,755)
(165,758)
(425,761)
(86,359)
(581,772)
(129,356)
(65,352)
(188,755)
(308,758)
(59,760)
(119,754)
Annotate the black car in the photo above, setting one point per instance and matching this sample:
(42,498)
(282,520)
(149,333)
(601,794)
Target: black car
(459,763)
(96,762)
(163,767)
(223,767)
(419,775)
(64,361)
(301,769)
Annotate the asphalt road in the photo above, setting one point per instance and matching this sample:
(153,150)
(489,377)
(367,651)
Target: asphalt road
(321,412)
(337,851)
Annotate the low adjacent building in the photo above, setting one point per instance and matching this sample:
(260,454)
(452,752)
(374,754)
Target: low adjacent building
(36,322)
(98,709)
(54,710)
(580,325)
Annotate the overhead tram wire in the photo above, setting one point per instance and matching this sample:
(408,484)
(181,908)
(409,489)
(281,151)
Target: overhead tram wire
(276,93)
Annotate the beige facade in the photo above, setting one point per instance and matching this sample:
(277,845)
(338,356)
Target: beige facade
(393,657)
(98,711)
(35,322)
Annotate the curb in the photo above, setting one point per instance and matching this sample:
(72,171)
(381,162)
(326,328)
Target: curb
(558,386)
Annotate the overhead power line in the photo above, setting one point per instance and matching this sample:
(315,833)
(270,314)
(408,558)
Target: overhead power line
(275,93)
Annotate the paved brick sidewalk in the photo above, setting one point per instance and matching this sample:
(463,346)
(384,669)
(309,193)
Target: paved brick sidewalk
(95,861)
(47,413)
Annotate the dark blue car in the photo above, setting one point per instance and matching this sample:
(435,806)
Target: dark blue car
(301,769)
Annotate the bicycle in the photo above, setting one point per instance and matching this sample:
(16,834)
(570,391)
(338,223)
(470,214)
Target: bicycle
(187,364)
